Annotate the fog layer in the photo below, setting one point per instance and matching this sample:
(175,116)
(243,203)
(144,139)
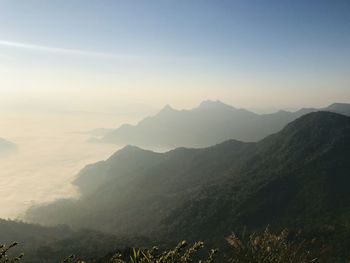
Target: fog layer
(52,148)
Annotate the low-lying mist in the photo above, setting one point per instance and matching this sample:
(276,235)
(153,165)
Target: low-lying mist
(52,148)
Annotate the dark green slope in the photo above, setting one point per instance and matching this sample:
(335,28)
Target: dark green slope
(124,163)
(314,177)
(138,194)
(53,244)
(297,177)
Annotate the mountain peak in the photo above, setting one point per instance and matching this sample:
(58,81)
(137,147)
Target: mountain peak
(319,122)
(130,148)
(209,104)
(127,150)
(339,106)
(167,108)
(308,137)
(322,116)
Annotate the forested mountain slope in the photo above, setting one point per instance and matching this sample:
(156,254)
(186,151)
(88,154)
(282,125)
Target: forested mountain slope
(298,177)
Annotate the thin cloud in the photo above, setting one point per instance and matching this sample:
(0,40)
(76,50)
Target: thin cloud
(93,54)
(57,50)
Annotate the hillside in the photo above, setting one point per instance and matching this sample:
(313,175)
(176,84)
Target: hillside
(53,244)
(210,123)
(295,178)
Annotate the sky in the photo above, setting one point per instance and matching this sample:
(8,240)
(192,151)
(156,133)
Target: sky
(110,56)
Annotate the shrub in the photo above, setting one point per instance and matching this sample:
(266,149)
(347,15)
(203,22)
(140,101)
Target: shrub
(182,253)
(274,248)
(4,253)
(266,247)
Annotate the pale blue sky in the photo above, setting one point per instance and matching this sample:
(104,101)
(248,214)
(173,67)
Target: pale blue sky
(243,52)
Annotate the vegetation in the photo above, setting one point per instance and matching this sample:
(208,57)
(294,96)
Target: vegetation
(297,178)
(275,248)
(182,253)
(4,254)
(264,247)
(51,244)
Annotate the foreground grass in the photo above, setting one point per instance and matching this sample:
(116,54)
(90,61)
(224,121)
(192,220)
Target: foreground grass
(264,247)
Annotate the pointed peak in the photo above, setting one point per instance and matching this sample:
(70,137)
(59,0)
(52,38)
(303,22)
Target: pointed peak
(213,104)
(167,108)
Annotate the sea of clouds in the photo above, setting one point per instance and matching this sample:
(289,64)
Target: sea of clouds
(52,148)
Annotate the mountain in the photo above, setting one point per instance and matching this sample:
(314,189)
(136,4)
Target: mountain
(6,147)
(342,108)
(298,177)
(210,123)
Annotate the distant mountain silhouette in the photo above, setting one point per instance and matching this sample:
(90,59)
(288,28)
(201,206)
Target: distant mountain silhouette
(298,177)
(210,123)
(342,108)
(6,147)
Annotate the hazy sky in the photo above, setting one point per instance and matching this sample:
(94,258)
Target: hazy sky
(109,55)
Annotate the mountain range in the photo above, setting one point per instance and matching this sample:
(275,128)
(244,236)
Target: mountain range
(210,123)
(296,178)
